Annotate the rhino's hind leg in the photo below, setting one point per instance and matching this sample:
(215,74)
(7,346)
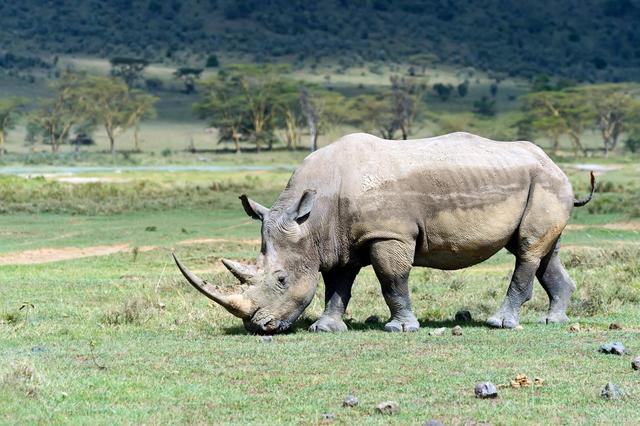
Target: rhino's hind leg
(558,284)
(391,261)
(520,290)
(337,284)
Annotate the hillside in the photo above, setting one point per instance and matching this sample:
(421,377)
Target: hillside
(590,40)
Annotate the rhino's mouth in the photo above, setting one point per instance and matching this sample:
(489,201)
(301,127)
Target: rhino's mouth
(262,322)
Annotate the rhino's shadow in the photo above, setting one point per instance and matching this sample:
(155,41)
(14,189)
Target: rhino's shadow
(303,325)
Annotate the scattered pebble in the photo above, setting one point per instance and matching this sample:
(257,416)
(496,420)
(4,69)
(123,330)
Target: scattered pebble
(463,316)
(486,390)
(350,401)
(388,407)
(437,331)
(635,364)
(433,422)
(610,391)
(615,326)
(456,331)
(162,305)
(615,348)
(538,381)
(266,339)
(37,349)
(575,328)
(326,418)
(519,327)
(373,319)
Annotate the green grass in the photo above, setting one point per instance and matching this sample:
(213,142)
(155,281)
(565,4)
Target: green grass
(171,357)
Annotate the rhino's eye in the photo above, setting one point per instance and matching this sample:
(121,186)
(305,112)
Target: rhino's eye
(281,279)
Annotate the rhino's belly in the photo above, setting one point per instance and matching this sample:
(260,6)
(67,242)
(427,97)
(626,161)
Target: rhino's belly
(457,238)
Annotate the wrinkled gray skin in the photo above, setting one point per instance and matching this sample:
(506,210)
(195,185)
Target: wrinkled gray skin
(447,202)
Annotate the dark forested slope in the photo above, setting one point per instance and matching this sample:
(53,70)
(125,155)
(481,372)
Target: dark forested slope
(582,39)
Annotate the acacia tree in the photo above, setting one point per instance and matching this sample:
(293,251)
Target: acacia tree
(406,101)
(188,77)
(112,104)
(615,108)
(55,116)
(128,69)
(555,113)
(10,110)
(223,106)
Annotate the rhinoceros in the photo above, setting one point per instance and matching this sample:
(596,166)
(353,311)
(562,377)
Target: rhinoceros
(445,202)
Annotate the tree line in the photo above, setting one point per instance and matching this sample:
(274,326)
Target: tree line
(261,105)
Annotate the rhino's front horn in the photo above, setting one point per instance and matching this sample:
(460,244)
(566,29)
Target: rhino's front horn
(245,273)
(238,304)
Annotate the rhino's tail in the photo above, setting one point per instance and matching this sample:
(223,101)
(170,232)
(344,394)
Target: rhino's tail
(582,202)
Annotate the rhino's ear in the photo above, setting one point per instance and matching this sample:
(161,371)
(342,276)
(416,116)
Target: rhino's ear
(253,209)
(301,211)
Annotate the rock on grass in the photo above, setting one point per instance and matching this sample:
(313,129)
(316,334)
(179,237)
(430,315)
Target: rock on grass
(456,331)
(373,319)
(327,418)
(388,407)
(437,331)
(350,401)
(635,364)
(610,391)
(615,348)
(486,390)
(433,422)
(463,316)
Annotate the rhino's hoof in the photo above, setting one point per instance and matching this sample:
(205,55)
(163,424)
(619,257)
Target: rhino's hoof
(395,326)
(326,324)
(502,322)
(554,319)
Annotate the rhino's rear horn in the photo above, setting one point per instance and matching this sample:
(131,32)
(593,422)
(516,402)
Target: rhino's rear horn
(237,304)
(245,273)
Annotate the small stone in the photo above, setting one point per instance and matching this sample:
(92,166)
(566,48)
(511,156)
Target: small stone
(266,339)
(350,401)
(463,316)
(615,348)
(518,327)
(615,326)
(433,422)
(456,331)
(388,407)
(373,319)
(574,328)
(635,364)
(37,349)
(610,391)
(326,418)
(161,305)
(437,331)
(486,390)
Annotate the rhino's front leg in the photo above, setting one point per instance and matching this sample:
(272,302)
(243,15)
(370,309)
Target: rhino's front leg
(338,283)
(392,261)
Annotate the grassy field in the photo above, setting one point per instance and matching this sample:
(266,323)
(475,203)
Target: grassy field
(121,338)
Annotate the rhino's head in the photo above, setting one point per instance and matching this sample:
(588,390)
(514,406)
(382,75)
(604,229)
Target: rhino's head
(283,282)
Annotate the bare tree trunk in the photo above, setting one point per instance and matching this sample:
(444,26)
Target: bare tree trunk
(136,138)
(577,145)
(311,113)
(236,140)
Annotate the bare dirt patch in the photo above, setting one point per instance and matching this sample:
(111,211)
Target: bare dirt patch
(46,255)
